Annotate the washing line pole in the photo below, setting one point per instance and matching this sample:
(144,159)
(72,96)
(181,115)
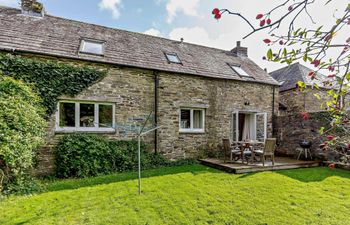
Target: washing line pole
(139,152)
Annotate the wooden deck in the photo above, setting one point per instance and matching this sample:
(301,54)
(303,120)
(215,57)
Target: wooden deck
(281,163)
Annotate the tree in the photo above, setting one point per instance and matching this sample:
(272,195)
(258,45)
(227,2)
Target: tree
(319,47)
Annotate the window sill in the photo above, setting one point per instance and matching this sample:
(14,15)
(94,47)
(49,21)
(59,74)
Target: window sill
(84,130)
(192,132)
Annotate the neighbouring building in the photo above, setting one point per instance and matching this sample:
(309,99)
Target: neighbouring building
(312,99)
(198,95)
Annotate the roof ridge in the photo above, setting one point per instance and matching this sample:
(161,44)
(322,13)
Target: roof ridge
(285,67)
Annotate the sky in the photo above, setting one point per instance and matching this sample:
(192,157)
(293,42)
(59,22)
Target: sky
(189,19)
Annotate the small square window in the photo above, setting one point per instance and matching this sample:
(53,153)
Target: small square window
(92,47)
(192,120)
(173,58)
(238,69)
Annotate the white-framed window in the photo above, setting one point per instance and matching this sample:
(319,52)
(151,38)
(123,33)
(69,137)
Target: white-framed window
(240,71)
(192,120)
(173,58)
(92,47)
(82,116)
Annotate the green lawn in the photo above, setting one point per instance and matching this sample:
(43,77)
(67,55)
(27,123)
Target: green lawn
(189,195)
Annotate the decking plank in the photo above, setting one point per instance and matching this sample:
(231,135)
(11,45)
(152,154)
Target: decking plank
(281,163)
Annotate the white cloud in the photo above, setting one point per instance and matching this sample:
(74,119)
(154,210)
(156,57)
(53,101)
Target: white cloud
(187,7)
(197,35)
(9,3)
(153,32)
(112,5)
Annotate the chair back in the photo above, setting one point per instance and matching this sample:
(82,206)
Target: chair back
(270,146)
(226,144)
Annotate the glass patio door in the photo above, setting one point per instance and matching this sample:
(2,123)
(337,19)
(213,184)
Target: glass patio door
(257,125)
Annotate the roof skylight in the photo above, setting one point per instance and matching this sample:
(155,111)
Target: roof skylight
(238,69)
(172,58)
(92,47)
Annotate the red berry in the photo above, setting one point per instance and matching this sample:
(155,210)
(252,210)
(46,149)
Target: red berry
(216,11)
(268,21)
(267,41)
(281,42)
(330,137)
(259,16)
(331,68)
(316,62)
(331,76)
(311,74)
(262,23)
(305,115)
(217,16)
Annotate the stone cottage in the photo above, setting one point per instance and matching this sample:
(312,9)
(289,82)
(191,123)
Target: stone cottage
(312,99)
(198,95)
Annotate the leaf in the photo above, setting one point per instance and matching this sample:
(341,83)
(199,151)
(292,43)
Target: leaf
(317,96)
(301,84)
(269,54)
(347,76)
(305,57)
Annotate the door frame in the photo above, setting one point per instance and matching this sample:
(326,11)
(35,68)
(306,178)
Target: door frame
(235,123)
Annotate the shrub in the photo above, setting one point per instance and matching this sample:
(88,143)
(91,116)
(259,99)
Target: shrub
(22,129)
(83,155)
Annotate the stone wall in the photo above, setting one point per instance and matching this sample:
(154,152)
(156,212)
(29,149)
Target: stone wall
(291,129)
(219,97)
(132,92)
(305,101)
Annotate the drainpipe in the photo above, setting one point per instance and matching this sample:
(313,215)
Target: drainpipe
(273,109)
(156,84)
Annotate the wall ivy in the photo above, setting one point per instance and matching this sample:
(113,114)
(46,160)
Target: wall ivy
(50,79)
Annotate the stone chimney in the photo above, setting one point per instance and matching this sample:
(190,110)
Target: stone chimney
(240,51)
(32,8)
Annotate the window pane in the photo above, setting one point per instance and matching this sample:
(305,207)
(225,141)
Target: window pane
(197,119)
(87,115)
(67,114)
(92,47)
(105,115)
(240,71)
(185,119)
(173,58)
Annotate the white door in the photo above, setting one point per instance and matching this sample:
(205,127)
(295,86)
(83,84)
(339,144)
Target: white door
(261,126)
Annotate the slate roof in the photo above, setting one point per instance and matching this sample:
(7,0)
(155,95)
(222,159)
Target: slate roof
(290,75)
(61,37)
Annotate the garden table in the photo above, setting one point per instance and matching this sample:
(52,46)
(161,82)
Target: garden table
(248,144)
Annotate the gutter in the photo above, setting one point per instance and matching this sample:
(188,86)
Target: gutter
(156,96)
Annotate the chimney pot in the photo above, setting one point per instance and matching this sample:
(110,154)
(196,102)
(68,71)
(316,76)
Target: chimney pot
(32,8)
(239,50)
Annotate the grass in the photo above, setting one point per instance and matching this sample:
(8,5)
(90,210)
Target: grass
(189,195)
